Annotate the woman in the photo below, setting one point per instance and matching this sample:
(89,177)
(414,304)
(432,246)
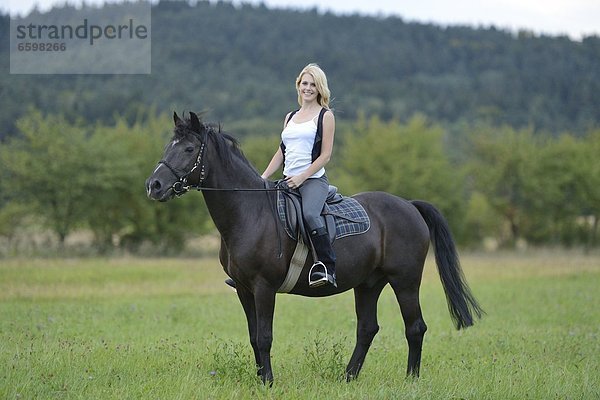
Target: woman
(304,155)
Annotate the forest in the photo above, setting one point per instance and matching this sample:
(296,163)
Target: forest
(499,129)
(239,62)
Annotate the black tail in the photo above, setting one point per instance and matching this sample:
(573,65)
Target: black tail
(461,302)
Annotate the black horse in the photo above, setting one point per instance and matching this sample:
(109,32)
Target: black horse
(256,254)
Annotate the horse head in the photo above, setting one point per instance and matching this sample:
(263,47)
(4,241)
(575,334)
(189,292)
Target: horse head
(181,166)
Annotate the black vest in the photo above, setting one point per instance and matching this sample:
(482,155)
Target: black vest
(316,150)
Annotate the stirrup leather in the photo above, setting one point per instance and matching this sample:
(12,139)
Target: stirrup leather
(321,281)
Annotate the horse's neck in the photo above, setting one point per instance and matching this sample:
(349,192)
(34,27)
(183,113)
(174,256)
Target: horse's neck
(235,212)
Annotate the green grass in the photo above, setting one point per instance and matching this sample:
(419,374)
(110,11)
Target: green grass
(170,329)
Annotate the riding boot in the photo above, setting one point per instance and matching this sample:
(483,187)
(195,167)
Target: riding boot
(323,270)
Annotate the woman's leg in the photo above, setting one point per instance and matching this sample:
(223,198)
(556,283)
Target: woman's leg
(314,193)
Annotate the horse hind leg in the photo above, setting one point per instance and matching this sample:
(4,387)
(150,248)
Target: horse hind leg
(415,328)
(367,327)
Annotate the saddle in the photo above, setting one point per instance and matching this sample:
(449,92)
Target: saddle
(342,215)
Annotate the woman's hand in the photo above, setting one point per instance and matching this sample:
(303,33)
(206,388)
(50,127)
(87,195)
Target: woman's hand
(294,182)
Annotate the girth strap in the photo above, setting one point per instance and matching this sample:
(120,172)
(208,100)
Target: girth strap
(295,269)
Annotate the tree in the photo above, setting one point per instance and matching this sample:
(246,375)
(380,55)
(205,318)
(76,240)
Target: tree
(50,169)
(408,160)
(500,169)
(92,177)
(554,201)
(546,189)
(588,184)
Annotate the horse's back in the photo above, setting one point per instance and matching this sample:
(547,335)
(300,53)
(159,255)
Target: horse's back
(384,207)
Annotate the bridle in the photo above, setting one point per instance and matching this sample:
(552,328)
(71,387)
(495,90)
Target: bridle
(181,186)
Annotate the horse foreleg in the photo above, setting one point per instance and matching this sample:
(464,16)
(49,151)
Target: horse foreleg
(365,299)
(247,299)
(264,303)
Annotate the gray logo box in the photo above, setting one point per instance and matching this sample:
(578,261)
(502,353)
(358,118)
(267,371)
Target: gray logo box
(114,39)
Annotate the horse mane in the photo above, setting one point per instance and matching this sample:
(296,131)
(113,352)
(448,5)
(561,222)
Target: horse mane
(225,144)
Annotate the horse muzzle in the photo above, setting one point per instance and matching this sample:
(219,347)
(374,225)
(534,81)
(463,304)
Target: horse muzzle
(156,190)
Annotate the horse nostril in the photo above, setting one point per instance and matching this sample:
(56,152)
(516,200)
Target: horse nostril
(156,185)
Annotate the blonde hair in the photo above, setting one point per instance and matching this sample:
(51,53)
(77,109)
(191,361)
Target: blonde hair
(320,82)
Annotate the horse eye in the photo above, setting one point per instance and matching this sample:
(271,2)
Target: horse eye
(189,149)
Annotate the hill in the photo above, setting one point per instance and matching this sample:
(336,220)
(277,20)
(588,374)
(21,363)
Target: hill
(240,61)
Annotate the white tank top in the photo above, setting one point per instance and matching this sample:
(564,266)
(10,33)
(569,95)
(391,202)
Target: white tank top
(299,139)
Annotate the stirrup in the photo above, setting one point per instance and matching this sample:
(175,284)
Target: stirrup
(326,278)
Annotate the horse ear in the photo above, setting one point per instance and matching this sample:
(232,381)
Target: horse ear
(195,122)
(176,118)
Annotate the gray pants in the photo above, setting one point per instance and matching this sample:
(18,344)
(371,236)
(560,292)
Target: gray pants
(314,193)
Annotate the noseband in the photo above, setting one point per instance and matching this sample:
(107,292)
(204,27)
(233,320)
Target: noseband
(181,186)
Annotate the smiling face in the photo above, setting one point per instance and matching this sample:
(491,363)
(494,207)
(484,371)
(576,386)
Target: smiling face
(311,85)
(307,89)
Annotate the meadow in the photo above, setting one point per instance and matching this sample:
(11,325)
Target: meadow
(132,328)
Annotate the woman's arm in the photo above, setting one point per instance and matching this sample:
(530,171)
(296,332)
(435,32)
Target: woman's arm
(274,165)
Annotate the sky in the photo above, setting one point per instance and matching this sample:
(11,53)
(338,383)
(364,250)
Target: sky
(575,18)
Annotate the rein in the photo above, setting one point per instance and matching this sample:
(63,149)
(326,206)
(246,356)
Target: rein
(180,187)
(203,188)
